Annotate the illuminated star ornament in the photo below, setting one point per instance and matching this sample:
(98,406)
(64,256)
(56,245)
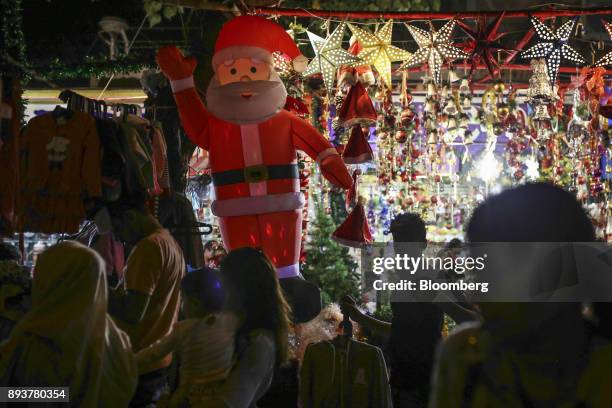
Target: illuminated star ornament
(554,47)
(378,51)
(484,42)
(606,59)
(434,48)
(329,55)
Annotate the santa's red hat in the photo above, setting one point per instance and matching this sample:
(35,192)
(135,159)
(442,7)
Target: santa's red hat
(357,149)
(357,108)
(257,38)
(354,231)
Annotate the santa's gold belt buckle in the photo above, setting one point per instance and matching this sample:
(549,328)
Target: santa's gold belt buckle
(255,174)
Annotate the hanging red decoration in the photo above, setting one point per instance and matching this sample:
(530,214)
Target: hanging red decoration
(357,108)
(484,43)
(354,231)
(357,149)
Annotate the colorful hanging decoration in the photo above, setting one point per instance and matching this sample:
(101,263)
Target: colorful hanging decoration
(329,55)
(354,231)
(357,108)
(434,48)
(554,47)
(540,86)
(378,51)
(357,149)
(606,59)
(484,42)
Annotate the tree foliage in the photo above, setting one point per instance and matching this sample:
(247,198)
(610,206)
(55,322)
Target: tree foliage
(328,264)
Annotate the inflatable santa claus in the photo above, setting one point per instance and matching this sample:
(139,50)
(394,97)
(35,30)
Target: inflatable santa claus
(251,140)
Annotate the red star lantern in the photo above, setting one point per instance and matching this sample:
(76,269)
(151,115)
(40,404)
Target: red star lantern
(484,42)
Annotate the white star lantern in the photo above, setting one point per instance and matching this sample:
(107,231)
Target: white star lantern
(606,59)
(434,48)
(554,47)
(378,51)
(329,55)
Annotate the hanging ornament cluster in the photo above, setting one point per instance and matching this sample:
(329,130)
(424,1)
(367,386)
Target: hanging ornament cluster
(438,154)
(553,47)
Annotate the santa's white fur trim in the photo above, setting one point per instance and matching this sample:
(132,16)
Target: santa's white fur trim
(266,204)
(330,151)
(182,84)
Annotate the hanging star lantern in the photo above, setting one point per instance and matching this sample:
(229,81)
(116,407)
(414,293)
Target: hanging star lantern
(484,42)
(554,47)
(434,48)
(329,55)
(606,59)
(378,51)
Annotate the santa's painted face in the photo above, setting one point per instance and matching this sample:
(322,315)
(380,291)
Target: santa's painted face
(245,91)
(243,69)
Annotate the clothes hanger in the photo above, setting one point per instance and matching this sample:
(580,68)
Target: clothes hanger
(342,340)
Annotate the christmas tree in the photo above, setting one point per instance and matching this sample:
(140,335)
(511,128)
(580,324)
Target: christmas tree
(328,264)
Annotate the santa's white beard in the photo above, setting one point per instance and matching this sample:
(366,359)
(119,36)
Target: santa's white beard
(226,101)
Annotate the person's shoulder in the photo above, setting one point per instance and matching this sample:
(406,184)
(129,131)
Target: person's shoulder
(262,338)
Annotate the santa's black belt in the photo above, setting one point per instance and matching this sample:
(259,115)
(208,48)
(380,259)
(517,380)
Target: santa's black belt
(256,174)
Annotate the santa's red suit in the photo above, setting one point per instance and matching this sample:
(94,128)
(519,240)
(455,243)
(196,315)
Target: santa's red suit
(254,165)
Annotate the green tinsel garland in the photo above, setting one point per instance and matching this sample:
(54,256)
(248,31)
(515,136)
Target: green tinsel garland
(94,66)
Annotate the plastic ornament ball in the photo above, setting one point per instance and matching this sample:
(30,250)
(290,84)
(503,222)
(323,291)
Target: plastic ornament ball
(406,117)
(502,111)
(499,87)
(401,136)
(498,128)
(518,175)
(597,173)
(596,188)
(559,170)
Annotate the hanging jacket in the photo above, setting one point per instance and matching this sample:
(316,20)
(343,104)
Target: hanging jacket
(337,376)
(60,167)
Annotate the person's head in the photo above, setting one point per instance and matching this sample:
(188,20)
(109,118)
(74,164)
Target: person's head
(245,88)
(530,213)
(254,293)
(69,296)
(409,233)
(202,293)
(9,252)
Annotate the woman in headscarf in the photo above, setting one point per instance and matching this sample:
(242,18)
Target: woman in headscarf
(67,339)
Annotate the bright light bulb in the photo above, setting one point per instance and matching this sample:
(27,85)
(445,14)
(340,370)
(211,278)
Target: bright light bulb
(488,168)
(533,171)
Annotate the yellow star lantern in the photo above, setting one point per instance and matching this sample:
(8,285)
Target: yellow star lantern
(329,55)
(378,51)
